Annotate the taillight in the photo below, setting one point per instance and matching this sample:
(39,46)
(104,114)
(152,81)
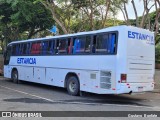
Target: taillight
(123,78)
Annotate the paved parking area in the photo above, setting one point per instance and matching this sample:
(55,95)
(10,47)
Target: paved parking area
(157,79)
(36,97)
(31,96)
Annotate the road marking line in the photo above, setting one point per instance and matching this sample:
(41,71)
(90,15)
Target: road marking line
(59,101)
(27,93)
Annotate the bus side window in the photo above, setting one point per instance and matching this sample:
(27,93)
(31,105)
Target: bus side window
(27,48)
(13,49)
(87,44)
(69,47)
(44,47)
(111,46)
(51,47)
(76,46)
(62,46)
(33,48)
(24,47)
(94,44)
(57,47)
(79,45)
(38,48)
(21,49)
(7,55)
(101,43)
(17,49)
(104,43)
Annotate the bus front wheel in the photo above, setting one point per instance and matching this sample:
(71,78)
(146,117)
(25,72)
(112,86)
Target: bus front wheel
(73,86)
(15,76)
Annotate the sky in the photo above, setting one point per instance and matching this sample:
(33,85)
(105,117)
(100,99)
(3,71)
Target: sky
(139,7)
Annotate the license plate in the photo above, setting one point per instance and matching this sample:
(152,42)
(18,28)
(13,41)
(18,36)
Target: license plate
(140,89)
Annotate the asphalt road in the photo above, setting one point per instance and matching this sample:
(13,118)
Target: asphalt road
(36,97)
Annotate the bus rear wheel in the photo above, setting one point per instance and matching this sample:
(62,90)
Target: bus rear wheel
(15,76)
(73,86)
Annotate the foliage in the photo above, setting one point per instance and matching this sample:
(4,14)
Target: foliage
(79,15)
(152,16)
(157,39)
(21,19)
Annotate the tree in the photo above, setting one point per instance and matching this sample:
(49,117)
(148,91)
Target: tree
(157,18)
(86,14)
(34,19)
(94,11)
(145,20)
(135,11)
(19,22)
(50,5)
(121,5)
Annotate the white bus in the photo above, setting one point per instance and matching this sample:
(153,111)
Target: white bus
(113,60)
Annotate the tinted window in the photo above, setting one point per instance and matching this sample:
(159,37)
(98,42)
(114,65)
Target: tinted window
(112,43)
(7,55)
(16,49)
(45,45)
(48,47)
(63,46)
(79,45)
(87,44)
(104,43)
(51,45)
(25,48)
(57,47)
(69,46)
(28,47)
(36,48)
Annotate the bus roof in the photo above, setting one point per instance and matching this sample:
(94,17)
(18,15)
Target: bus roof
(113,28)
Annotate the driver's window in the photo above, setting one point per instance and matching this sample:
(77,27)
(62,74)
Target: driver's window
(7,55)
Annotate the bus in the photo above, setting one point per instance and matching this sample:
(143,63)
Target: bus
(114,60)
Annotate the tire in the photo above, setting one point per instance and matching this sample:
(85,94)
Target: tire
(15,76)
(73,86)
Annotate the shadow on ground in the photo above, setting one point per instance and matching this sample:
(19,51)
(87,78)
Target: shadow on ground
(86,98)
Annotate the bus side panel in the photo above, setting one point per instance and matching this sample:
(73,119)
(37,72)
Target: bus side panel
(98,81)
(121,56)
(39,75)
(7,71)
(55,77)
(89,80)
(25,73)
